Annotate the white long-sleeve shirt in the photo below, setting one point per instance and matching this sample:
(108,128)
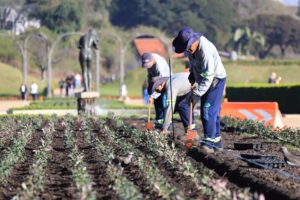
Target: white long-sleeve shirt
(180,86)
(161,69)
(206,65)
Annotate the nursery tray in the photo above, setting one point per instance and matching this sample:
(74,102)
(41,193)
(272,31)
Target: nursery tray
(256,146)
(257,160)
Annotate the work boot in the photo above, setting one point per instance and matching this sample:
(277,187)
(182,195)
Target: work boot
(206,149)
(158,126)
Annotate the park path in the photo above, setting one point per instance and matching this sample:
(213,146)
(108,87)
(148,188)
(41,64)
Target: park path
(5,105)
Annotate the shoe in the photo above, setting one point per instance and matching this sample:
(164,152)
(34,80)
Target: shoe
(218,144)
(158,126)
(206,149)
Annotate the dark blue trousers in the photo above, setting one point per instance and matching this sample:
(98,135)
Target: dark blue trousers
(210,109)
(183,108)
(160,106)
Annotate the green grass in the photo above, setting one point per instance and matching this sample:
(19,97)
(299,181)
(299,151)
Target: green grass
(239,73)
(11,79)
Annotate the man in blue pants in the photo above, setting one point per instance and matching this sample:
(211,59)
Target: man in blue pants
(208,77)
(156,66)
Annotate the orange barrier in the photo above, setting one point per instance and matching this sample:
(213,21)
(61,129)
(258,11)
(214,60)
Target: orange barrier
(265,112)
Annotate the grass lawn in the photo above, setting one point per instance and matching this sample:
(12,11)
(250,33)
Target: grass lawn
(11,79)
(248,73)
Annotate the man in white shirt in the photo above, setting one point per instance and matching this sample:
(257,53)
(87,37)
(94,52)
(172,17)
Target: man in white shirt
(34,91)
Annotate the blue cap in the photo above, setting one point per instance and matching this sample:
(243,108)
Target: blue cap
(185,38)
(147,60)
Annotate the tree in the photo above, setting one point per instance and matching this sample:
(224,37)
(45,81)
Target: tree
(283,31)
(172,15)
(64,17)
(247,42)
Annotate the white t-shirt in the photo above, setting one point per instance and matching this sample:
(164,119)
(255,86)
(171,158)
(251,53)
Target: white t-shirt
(34,88)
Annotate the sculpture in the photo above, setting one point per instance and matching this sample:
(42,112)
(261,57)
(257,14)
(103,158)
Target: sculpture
(87,43)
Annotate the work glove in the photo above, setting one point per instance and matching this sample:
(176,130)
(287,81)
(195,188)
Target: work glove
(191,78)
(194,86)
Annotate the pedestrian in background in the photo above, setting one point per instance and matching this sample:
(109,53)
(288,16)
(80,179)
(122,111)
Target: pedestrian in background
(34,91)
(208,78)
(23,91)
(145,92)
(156,66)
(61,84)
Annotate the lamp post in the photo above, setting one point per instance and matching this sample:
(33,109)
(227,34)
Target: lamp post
(50,52)
(121,49)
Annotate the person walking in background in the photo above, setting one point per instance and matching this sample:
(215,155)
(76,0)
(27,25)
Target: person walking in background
(69,83)
(124,93)
(77,80)
(208,78)
(145,92)
(61,84)
(272,78)
(156,66)
(23,91)
(34,91)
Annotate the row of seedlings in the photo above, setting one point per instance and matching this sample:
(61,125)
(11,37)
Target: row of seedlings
(8,130)
(14,153)
(33,187)
(82,179)
(124,188)
(158,144)
(145,165)
(286,135)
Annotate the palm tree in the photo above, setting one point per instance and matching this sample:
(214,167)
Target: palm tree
(246,43)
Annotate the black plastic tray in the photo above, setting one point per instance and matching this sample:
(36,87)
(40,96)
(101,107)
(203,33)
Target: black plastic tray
(257,146)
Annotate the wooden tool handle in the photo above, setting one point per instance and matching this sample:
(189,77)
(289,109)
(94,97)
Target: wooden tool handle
(191,115)
(149,111)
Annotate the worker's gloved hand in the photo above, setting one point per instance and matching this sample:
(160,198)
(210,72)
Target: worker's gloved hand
(194,86)
(164,131)
(191,79)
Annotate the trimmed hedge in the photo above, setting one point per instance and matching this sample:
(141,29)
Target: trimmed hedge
(287,96)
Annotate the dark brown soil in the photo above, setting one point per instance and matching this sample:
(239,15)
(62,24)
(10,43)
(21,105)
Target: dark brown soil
(239,173)
(59,182)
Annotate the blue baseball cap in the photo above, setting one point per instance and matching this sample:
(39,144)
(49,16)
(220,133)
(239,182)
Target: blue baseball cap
(147,60)
(185,38)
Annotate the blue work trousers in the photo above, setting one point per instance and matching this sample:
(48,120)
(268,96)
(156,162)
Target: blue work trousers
(210,109)
(160,105)
(183,108)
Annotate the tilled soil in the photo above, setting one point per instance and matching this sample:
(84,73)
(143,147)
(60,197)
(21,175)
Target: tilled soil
(227,164)
(59,183)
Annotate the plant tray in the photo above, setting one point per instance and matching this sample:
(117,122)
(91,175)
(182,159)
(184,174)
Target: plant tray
(256,146)
(257,160)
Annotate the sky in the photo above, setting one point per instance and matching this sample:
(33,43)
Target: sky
(291,2)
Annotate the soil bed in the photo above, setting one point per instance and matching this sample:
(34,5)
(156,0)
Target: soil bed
(238,172)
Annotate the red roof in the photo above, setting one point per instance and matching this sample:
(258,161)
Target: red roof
(153,45)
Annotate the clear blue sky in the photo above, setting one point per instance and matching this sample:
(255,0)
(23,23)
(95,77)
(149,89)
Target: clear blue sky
(291,2)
